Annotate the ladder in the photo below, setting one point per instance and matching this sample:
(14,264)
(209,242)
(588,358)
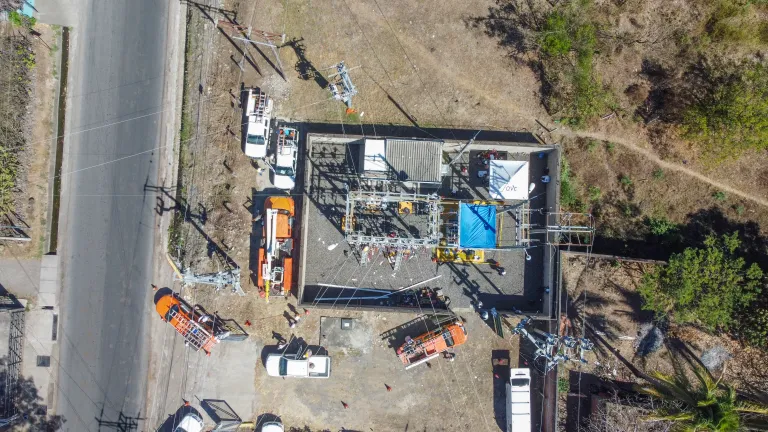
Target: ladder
(261,105)
(194,334)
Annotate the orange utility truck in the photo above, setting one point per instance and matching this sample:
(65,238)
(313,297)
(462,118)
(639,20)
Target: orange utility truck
(201,331)
(275,270)
(427,346)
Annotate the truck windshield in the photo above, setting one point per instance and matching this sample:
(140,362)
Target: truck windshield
(284,171)
(255,139)
(283,366)
(519,382)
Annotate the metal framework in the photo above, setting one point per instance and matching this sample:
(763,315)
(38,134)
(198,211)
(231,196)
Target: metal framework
(555,349)
(219,280)
(9,409)
(520,212)
(397,247)
(570,229)
(347,90)
(264,38)
(13,233)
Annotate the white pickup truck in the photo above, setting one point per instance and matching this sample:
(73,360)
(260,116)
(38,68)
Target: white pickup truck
(258,113)
(519,400)
(287,365)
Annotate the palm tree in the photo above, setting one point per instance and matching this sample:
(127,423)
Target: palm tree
(705,405)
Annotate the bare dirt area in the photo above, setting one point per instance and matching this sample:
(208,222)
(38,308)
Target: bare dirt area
(366,374)
(28,130)
(605,294)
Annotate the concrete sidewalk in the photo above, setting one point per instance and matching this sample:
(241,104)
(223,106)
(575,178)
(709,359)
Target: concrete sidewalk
(37,281)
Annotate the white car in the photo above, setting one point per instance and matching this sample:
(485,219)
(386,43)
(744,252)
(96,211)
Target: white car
(190,423)
(289,366)
(258,113)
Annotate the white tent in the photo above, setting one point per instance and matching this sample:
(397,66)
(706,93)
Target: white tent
(508,180)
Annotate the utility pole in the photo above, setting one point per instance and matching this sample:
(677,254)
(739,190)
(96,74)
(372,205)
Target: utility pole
(272,40)
(123,423)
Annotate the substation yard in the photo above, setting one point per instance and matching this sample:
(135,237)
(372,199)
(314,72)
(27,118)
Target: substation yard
(222,191)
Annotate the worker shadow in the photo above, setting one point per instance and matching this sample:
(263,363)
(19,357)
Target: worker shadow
(173,420)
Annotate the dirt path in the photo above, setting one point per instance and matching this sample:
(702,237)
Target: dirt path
(650,155)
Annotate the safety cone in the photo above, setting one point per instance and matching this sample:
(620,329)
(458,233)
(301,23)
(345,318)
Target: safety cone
(154,287)
(247,323)
(344,404)
(388,388)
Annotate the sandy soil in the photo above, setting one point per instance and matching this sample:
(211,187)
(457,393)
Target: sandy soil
(32,198)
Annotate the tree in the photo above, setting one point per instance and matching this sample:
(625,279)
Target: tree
(704,405)
(703,285)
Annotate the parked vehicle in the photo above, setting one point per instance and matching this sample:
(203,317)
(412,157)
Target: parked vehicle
(201,331)
(190,423)
(258,112)
(285,158)
(272,426)
(290,365)
(275,271)
(519,400)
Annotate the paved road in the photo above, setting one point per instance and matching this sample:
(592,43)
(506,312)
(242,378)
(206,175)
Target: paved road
(116,75)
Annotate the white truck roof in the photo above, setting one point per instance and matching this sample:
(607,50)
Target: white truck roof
(519,400)
(257,132)
(313,367)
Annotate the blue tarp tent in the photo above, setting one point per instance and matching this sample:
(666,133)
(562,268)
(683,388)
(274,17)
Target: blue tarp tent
(477,226)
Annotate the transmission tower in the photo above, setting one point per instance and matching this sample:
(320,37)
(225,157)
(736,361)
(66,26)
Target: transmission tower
(219,280)
(272,40)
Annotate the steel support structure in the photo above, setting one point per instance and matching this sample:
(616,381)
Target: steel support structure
(219,280)
(379,200)
(273,40)
(348,89)
(570,229)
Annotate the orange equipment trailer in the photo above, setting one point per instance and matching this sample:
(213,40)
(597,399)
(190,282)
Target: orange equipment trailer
(427,346)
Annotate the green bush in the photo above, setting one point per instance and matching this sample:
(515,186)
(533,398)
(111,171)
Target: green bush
(754,329)
(569,199)
(703,285)
(610,147)
(563,385)
(594,193)
(731,115)
(739,209)
(9,165)
(658,174)
(660,226)
(21,20)
(555,40)
(719,196)
(625,181)
(581,95)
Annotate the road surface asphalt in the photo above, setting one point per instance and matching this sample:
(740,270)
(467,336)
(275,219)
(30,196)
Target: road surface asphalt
(115,95)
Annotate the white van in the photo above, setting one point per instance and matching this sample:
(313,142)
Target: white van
(519,400)
(288,365)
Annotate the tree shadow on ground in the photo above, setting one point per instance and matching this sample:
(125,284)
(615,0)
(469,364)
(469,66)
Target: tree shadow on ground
(24,400)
